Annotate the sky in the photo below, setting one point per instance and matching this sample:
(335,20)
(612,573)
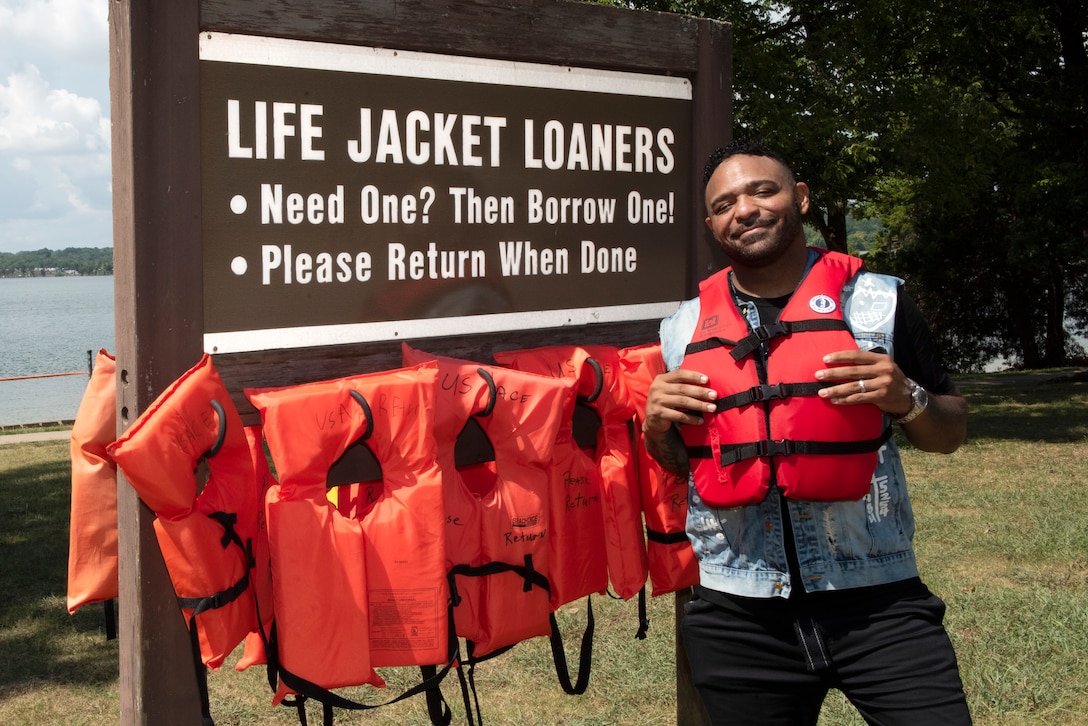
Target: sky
(55,187)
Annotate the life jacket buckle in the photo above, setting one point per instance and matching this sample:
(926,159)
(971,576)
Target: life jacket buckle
(781,447)
(767,392)
(765,332)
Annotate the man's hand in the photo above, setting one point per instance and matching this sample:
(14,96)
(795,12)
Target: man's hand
(679,396)
(875,378)
(867,378)
(676,397)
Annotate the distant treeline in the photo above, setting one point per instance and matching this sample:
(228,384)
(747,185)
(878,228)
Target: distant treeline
(57,263)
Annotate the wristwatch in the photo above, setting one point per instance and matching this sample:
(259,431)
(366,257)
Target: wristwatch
(920,397)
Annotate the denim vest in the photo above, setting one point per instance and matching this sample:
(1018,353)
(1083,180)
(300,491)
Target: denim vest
(839,545)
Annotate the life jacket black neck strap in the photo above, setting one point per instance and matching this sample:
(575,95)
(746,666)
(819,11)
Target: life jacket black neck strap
(760,334)
(751,342)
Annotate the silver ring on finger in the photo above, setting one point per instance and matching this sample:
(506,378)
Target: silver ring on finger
(861,384)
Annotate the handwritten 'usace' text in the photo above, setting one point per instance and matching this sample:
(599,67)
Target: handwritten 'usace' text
(282,130)
(282,264)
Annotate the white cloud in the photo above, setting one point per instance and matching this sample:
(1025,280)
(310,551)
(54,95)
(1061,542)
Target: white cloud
(37,119)
(67,39)
(54,125)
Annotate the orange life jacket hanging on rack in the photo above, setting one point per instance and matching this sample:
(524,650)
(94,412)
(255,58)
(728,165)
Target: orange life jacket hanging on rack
(254,651)
(596,369)
(672,562)
(496,511)
(206,536)
(354,594)
(92,536)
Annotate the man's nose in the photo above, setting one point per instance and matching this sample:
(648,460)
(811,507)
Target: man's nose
(745,208)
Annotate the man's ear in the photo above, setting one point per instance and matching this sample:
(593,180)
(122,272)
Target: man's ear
(800,196)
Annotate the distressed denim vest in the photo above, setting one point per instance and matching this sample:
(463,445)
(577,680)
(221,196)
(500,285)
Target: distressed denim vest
(839,545)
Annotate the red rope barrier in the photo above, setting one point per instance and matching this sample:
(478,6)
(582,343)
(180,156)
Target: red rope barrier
(44,375)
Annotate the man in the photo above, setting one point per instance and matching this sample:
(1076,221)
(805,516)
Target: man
(785,376)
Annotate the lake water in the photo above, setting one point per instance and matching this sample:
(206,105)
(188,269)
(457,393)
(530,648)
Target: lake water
(47,325)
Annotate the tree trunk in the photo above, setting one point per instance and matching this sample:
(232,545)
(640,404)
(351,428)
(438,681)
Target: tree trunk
(1054,352)
(833,228)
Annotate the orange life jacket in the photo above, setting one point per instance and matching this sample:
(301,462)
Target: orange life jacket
(254,652)
(92,536)
(664,496)
(206,537)
(597,370)
(352,594)
(820,451)
(498,523)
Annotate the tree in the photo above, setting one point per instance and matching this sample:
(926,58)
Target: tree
(961,125)
(1000,198)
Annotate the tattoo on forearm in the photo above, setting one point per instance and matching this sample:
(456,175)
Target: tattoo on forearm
(669,451)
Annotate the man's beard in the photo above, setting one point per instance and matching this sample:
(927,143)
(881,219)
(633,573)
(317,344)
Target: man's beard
(768,251)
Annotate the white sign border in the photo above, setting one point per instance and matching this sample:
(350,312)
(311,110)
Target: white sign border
(312,55)
(320,335)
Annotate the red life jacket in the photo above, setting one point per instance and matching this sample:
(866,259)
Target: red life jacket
(352,594)
(205,537)
(820,451)
(92,536)
(497,519)
(600,385)
(672,562)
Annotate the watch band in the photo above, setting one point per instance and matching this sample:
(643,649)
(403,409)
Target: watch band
(920,399)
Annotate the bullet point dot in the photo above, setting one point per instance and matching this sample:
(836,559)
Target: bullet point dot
(239,265)
(238,204)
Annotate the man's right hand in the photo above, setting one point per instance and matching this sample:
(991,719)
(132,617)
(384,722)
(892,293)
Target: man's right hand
(678,397)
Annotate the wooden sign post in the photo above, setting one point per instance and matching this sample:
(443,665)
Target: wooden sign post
(300,186)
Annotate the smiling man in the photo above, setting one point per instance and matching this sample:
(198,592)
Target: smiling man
(784,379)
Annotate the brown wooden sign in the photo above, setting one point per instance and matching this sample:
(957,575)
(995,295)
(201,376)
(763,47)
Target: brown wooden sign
(254,217)
(355,194)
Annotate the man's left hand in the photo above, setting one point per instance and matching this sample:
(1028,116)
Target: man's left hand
(866,377)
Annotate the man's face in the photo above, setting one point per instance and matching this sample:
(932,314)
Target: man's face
(754,209)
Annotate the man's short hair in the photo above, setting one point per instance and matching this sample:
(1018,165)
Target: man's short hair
(746,147)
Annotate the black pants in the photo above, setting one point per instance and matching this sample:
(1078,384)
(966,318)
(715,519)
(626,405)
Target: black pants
(773,662)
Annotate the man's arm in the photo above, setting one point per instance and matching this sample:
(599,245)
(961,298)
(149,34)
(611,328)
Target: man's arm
(676,397)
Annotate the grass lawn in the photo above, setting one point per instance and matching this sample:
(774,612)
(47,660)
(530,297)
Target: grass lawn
(1002,537)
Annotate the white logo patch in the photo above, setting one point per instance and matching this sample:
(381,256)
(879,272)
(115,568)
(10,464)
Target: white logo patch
(822,304)
(872,306)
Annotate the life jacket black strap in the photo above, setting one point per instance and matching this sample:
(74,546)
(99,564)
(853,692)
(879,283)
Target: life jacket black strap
(585,654)
(201,677)
(751,342)
(667,538)
(218,600)
(769,392)
(732,453)
(437,708)
(707,344)
(531,578)
(230,536)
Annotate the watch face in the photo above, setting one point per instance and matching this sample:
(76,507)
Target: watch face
(920,396)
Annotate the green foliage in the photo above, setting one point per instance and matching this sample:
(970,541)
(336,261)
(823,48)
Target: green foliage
(51,263)
(963,127)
